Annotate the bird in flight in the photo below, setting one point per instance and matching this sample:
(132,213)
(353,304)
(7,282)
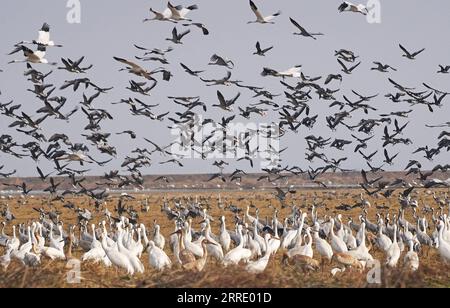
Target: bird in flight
(408,54)
(303,32)
(261,52)
(260,18)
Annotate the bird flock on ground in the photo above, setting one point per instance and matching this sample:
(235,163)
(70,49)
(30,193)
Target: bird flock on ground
(121,241)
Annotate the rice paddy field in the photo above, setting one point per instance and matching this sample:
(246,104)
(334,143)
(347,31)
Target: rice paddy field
(433,272)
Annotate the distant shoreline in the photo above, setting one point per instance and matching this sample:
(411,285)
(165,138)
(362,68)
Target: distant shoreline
(198,182)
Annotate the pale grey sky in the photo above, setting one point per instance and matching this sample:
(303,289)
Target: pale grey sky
(110,28)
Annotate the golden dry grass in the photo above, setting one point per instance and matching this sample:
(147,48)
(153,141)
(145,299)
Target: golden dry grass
(432,273)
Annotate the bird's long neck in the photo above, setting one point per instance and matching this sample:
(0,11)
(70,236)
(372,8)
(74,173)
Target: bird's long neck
(94,237)
(268,252)
(144,235)
(182,238)
(395,234)
(241,238)
(70,246)
(205,251)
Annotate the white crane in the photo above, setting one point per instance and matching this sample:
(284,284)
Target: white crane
(24,248)
(43,38)
(224,237)
(259,17)
(158,238)
(393,253)
(134,260)
(274,242)
(305,250)
(350,7)
(258,238)
(337,244)
(157,258)
(322,246)
(31,56)
(96,252)
(362,251)
(252,244)
(293,234)
(444,246)
(411,258)
(239,253)
(258,266)
(58,242)
(179,12)
(212,246)
(190,246)
(165,15)
(117,258)
(383,241)
(13,243)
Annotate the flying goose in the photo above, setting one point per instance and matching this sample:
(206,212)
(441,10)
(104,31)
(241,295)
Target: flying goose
(261,52)
(382,67)
(348,70)
(409,55)
(176,38)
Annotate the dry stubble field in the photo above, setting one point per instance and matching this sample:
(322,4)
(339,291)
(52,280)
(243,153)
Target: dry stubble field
(432,273)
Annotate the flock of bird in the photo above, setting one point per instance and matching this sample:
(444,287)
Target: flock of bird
(302,237)
(122,241)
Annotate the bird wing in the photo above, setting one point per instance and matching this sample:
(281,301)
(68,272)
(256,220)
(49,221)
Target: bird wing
(342,64)
(298,25)
(386,155)
(173,10)
(132,64)
(221,98)
(186,68)
(44,34)
(214,58)
(258,47)
(343,6)
(328,80)
(235,99)
(184,33)
(353,67)
(267,49)
(78,62)
(256,11)
(139,47)
(404,50)
(418,52)
(175,33)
